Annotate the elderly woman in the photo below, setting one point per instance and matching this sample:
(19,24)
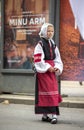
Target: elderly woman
(48,64)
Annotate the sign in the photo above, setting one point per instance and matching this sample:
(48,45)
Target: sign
(23,20)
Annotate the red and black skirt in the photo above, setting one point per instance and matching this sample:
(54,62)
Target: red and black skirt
(47,97)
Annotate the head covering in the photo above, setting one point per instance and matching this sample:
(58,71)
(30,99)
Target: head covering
(43,31)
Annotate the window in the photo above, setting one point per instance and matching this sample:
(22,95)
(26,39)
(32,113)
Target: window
(21,23)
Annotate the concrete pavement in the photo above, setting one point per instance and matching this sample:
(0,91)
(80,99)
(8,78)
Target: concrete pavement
(72,93)
(22,117)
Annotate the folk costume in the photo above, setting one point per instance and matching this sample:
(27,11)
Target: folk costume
(46,54)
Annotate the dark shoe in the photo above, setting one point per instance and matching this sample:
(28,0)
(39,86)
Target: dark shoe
(54,121)
(47,119)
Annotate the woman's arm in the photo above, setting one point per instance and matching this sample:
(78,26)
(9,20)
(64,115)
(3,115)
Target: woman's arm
(58,62)
(40,65)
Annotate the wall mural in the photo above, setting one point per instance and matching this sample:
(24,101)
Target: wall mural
(71,45)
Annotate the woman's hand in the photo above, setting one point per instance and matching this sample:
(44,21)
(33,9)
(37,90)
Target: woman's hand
(51,69)
(57,71)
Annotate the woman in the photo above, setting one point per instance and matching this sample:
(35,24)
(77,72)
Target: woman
(48,64)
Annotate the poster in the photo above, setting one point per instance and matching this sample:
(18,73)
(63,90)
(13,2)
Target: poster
(71,45)
(78,9)
(0,18)
(22,23)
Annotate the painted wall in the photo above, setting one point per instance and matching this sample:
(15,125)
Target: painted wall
(71,45)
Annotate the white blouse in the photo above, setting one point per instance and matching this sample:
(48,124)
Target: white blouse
(42,66)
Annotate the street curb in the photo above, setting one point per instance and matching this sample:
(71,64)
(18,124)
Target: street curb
(30,101)
(72,105)
(17,101)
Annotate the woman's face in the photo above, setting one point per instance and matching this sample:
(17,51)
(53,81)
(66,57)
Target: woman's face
(50,32)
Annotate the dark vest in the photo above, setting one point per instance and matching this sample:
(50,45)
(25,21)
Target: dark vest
(48,51)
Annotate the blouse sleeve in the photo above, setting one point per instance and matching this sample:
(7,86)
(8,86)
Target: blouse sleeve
(40,65)
(58,62)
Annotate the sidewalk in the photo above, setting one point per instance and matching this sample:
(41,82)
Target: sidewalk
(72,93)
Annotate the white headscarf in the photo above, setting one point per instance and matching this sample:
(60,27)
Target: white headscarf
(43,31)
